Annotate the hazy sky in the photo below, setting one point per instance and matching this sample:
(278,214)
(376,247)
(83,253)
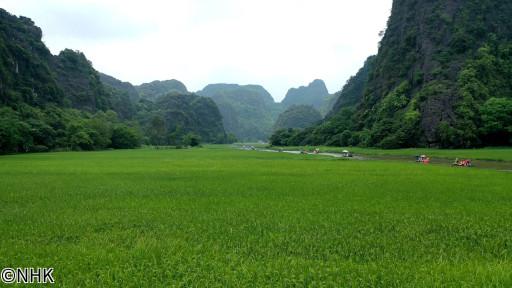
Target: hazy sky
(276,43)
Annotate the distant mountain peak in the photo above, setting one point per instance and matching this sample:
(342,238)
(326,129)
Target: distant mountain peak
(314,94)
(318,82)
(155,89)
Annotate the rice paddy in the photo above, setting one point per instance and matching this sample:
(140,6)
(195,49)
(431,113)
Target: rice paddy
(221,217)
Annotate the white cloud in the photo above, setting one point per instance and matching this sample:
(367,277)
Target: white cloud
(276,43)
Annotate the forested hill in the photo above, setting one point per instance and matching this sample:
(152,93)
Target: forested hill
(442,78)
(155,89)
(248,111)
(214,89)
(315,94)
(298,116)
(31,75)
(173,116)
(60,102)
(126,87)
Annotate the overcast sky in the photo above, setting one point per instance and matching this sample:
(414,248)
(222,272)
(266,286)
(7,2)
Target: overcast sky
(275,43)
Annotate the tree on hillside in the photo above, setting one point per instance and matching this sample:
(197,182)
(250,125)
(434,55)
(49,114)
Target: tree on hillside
(298,116)
(497,121)
(124,137)
(157,131)
(191,139)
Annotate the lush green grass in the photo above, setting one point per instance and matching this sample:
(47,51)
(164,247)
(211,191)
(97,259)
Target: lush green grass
(493,154)
(217,217)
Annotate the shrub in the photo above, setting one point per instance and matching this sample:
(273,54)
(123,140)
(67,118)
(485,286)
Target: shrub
(191,139)
(124,137)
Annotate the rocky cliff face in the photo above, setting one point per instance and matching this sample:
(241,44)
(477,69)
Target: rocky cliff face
(25,72)
(426,49)
(439,64)
(30,74)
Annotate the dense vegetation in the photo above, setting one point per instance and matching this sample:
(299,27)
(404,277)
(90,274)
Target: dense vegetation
(226,218)
(298,116)
(248,112)
(79,81)
(442,78)
(54,102)
(120,86)
(25,72)
(123,96)
(60,102)
(173,117)
(39,129)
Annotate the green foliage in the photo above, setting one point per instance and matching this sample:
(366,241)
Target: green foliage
(191,139)
(156,131)
(100,128)
(124,137)
(283,137)
(175,115)
(343,139)
(298,116)
(123,87)
(231,138)
(14,133)
(80,140)
(32,129)
(497,121)
(396,121)
(80,82)
(394,101)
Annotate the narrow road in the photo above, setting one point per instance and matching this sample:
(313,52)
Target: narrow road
(503,166)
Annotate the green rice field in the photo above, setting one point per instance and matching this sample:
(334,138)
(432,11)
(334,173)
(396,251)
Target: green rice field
(222,217)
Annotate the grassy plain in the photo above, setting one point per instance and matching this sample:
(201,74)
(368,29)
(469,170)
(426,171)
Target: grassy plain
(218,217)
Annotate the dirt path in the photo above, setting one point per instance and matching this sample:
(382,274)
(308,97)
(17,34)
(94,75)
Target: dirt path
(503,166)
